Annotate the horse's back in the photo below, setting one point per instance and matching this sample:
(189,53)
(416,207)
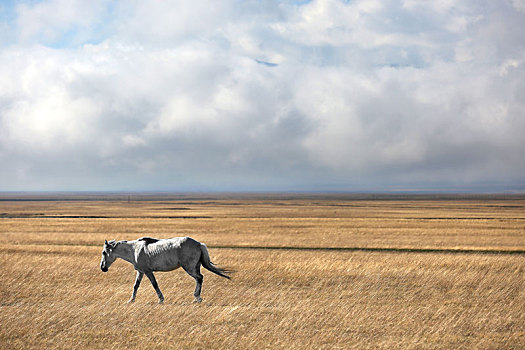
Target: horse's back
(167,254)
(166,243)
(188,249)
(148,240)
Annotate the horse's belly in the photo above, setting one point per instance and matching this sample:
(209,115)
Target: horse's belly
(166,264)
(166,268)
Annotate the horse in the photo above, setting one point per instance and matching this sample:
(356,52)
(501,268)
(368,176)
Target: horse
(151,254)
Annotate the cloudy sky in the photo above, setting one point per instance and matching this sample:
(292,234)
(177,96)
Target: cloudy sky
(258,95)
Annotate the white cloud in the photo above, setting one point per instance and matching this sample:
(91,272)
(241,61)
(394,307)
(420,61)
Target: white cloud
(40,110)
(50,21)
(169,22)
(364,93)
(509,65)
(518,5)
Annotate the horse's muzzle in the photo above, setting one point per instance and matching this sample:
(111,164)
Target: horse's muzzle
(104,269)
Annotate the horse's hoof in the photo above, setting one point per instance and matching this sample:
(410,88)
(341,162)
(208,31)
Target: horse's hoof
(197,300)
(161,301)
(131,301)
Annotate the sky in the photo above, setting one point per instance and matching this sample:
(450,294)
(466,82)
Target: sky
(256,95)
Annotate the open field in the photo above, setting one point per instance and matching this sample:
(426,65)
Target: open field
(461,286)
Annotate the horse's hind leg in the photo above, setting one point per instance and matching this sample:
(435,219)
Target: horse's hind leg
(195,272)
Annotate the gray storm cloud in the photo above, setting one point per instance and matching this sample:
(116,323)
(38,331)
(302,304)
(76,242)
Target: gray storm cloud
(359,95)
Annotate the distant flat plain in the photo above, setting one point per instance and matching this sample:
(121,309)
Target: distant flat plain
(312,271)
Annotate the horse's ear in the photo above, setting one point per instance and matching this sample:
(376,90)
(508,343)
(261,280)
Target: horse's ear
(105,242)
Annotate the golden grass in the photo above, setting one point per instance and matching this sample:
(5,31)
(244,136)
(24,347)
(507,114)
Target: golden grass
(53,295)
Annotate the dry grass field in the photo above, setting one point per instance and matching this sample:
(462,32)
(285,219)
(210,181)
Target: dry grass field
(430,272)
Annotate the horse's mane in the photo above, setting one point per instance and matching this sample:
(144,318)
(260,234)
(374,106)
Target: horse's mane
(148,240)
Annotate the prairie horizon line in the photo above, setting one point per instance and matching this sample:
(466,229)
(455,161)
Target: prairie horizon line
(202,195)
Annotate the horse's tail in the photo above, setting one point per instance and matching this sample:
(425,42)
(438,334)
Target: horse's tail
(206,262)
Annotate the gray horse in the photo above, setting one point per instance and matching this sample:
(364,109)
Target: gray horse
(150,254)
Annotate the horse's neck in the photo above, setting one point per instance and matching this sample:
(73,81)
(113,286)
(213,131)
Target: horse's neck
(126,251)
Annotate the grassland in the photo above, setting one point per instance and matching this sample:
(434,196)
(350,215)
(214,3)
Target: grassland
(462,285)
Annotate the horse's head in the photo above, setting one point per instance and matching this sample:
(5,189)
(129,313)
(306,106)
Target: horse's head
(108,255)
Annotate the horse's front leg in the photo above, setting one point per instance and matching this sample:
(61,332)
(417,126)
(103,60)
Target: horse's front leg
(138,279)
(156,286)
